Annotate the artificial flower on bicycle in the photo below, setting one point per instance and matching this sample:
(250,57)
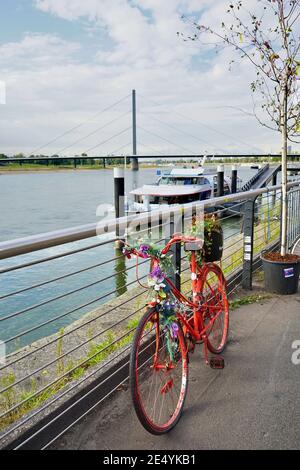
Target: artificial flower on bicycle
(159,290)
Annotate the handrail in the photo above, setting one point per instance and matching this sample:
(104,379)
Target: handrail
(11,248)
(255,177)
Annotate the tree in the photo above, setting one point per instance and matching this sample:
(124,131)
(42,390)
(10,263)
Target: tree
(269,38)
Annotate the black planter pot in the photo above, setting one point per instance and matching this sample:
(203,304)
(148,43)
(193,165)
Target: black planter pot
(213,245)
(281,277)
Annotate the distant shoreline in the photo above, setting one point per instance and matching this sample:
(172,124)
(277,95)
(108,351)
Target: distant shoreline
(45,170)
(23,170)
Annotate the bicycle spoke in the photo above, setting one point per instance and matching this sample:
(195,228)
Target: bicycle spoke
(158,376)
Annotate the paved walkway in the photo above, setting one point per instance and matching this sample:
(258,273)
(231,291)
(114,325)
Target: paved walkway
(254,403)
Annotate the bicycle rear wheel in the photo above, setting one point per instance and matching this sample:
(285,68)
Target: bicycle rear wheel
(158,373)
(214,307)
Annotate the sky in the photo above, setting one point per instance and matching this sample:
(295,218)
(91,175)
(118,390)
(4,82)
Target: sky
(68,67)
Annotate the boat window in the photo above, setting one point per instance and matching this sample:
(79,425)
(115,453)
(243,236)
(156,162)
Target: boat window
(181,181)
(182,199)
(165,180)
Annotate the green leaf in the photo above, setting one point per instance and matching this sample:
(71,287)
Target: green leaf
(162,294)
(298,126)
(241,38)
(297,69)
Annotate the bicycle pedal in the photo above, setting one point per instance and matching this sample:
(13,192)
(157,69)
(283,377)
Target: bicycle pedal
(217,362)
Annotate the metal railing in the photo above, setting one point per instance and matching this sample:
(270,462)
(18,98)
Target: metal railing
(70,303)
(247,186)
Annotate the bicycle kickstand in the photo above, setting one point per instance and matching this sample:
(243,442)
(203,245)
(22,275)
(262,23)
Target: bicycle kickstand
(215,362)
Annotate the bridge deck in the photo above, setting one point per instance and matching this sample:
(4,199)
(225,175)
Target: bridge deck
(252,404)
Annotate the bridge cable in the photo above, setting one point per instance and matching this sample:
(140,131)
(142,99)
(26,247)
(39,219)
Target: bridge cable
(150,147)
(80,124)
(201,123)
(107,140)
(169,141)
(186,133)
(93,132)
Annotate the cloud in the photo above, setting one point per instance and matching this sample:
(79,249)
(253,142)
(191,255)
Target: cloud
(53,83)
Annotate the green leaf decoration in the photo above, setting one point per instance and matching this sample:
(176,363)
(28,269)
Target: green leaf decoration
(162,294)
(241,38)
(297,69)
(298,126)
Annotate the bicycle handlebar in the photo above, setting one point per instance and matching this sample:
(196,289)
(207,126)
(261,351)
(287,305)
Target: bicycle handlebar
(176,238)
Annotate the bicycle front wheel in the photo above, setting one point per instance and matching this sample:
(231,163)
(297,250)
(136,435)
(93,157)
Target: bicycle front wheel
(158,372)
(214,307)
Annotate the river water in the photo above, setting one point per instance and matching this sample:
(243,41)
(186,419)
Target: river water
(33,203)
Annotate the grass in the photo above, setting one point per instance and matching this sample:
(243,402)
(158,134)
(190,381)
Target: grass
(73,370)
(248,300)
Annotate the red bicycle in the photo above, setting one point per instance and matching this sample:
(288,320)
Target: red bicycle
(170,328)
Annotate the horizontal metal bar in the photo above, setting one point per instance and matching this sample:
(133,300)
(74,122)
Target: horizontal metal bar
(61,395)
(53,257)
(123,157)
(72,330)
(75,348)
(34,328)
(57,379)
(59,278)
(46,240)
(86,412)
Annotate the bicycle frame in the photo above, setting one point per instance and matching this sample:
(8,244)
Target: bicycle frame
(198,331)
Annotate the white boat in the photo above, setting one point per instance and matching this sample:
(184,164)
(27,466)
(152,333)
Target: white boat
(178,186)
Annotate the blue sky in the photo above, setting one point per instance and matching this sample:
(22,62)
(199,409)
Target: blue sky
(64,60)
(21,16)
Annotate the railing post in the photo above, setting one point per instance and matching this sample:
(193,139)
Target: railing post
(119,188)
(234,179)
(220,181)
(176,259)
(248,244)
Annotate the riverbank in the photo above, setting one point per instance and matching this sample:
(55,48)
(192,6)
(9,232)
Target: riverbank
(51,168)
(36,168)
(67,169)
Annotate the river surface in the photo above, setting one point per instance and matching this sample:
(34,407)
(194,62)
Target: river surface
(33,203)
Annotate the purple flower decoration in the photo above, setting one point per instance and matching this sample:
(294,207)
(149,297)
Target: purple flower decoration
(157,274)
(174,330)
(144,250)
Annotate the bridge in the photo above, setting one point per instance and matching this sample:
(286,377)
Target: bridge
(76,159)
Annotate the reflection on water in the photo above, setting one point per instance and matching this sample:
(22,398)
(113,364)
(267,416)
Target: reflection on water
(120,273)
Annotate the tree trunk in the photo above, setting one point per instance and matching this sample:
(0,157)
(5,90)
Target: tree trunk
(284,214)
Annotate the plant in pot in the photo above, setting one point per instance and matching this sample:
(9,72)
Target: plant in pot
(211,229)
(267,36)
